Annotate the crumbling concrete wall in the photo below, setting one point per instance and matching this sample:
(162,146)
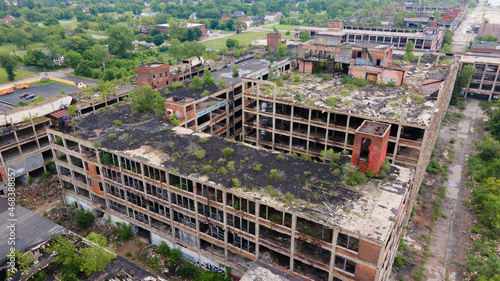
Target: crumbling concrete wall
(305,66)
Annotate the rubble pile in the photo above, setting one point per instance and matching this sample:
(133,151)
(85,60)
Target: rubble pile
(64,215)
(31,196)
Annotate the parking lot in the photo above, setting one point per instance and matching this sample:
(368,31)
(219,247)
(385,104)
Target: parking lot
(46,90)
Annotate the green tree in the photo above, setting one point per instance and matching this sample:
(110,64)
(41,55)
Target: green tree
(196,83)
(84,218)
(230,24)
(67,258)
(159,104)
(282,49)
(447,37)
(141,100)
(73,58)
(409,56)
(97,257)
(51,21)
(207,78)
(8,63)
(447,49)
(120,40)
(236,71)
(463,79)
(399,18)
(232,43)
(305,36)
(158,40)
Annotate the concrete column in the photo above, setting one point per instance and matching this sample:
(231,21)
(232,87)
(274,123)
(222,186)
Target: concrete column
(292,239)
(332,258)
(257,230)
(308,130)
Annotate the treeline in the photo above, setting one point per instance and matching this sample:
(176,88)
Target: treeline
(484,178)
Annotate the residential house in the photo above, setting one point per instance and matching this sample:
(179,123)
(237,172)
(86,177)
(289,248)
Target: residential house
(278,15)
(7,19)
(239,13)
(144,29)
(225,16)
(146,4)
(270,17)
(192,16)
(294,12)
(247,21)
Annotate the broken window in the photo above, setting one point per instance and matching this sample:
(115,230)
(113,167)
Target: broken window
(117,207)
(240,242)
(315,230)
(137,200)
(185,220)
(157,191)
(345,264)
(138,216)
(182,201)
(133,183)
(115,191)
(348,242)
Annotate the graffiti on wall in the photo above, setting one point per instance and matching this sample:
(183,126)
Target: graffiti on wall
(342,59)
(214,268)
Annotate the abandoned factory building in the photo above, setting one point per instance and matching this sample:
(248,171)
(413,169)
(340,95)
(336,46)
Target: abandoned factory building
(234,185)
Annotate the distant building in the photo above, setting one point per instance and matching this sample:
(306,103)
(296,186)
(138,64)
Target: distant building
(146,4)
(485,47)
(192,16)
(415,22)
(225,16)
(278,15)
(154,74)
(489,28)
(270,17)
(273,40)
(163,28)
(200,26)
(239,13)
(295,12)
(148,14)
(144,29)
(7,19)
(247,21)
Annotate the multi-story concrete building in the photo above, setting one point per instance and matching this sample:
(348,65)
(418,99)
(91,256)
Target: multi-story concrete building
(429,39)
(24,146)
(181,187)
(485,83)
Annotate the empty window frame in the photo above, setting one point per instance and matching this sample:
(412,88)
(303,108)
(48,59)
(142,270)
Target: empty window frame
(117,207)
(115,191)
(181,183)
(159,209)
(133,183)
(348,242)
(182,201)
(138,216)
(112,175)
(240,223)
(130,165)
(137,200)
(157,191)
(155,174)
(211,212)
(240,242)
(209,192)
(345,264)
(185,220)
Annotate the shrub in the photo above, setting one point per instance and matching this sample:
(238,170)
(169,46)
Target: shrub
(200,154)
(289,197)
(71,110)
(124,231)
(386,167)
(31,179)
(332,101)
(188,270)
(370,174)
(205,93)
(196,83)
(204,140)
(129,254)
(163,249)
(97,144)
(276,175)
(45,176)
(174,256)
(306,157)
(223,171)
(236,182)
(227,151)
(280,157)
(330,155)
(176,85)
(434,167)
(117,123)
(207,78)
(398,261)
(258,168)
(112,136)
(174,121)
(84,218)
(453,140)
(221,83)
(235,70)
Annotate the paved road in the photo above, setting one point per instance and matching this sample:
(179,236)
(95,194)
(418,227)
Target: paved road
(46,90)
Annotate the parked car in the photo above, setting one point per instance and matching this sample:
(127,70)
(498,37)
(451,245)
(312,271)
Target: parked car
(24,95)
(33,98)
(28,97)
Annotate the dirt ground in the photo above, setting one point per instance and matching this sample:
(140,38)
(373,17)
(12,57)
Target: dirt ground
(40,197)
(449,233)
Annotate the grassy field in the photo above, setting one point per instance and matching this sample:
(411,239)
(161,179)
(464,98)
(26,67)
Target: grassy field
(47,82)
(282,27)
(284,36)
(244,38)
(20,74)
(7,48)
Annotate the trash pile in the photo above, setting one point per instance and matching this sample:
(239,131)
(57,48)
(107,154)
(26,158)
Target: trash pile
(31,196)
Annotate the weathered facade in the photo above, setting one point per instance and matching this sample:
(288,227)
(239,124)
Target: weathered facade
(485,82)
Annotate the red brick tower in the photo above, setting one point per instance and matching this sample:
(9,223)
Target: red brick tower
(273,39)
(370,145)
